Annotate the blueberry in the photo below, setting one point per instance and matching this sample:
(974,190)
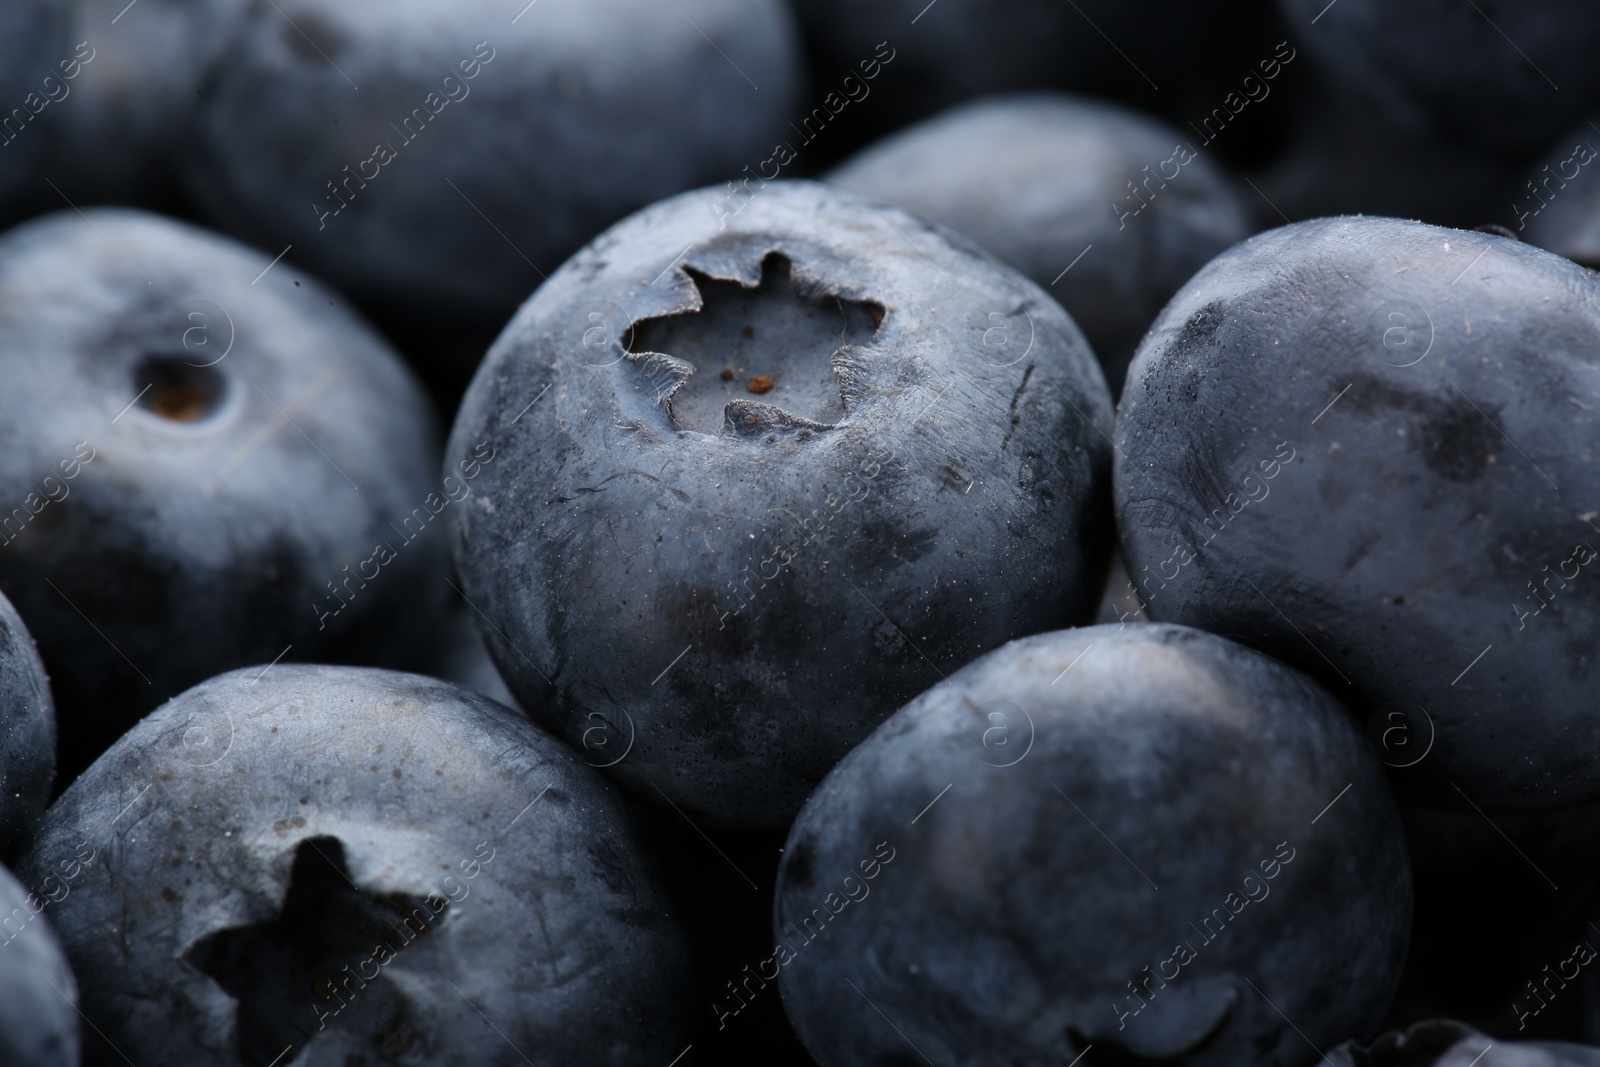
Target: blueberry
(449,154)
(132,110)
(1147,840)
(1446,1043)
(1169,56)
(748,581)
(38,1016)
(33,36)
(1486,79)
(1366,446)
(1555,201)
(1349,154)
(952,52)
(208,459)
(1107,210)
(27,732)
(317,862)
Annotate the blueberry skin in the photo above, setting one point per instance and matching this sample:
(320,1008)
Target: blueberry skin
(132,111)
(1168,56)
(1029,807)
(961,49)
(1349,153)
(1451,66)
(27,732)
(1039,179)
(1555,201)
(152,537)
(573,115)
(38,1023)
(33,36)
(546,919)
(748,598)
(1447,1043)
(1341,443)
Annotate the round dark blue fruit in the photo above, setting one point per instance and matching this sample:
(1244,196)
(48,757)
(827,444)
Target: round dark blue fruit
(1488,78)
(1447,1043)
(27,732)
(770,466)
(1555,201)
(1348,153)
(1368,447)
(316,863)
(447,155)
(1129,844)
(953,51)
(1058,188)
(131,120)
(207,459)
(1173,58)
(32,33)
(38,997)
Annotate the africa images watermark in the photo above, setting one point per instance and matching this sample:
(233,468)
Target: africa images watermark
(784,952)
(1233,503)
(810,527)
(12,125)
(1185,953)
(1583,953)
(385,951)
(1252,89)
(385,153)
(55,490)
(1582,555)
(1582,155)
(455,491)
(854,90)
(12,926)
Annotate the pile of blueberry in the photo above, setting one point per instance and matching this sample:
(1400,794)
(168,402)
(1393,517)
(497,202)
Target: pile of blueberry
(682,533)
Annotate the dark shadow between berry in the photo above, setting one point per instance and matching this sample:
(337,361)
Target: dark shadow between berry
(319,963)
(765,345)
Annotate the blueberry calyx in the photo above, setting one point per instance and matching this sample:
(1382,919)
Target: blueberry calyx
(772,332)
(321,961)
(176,390)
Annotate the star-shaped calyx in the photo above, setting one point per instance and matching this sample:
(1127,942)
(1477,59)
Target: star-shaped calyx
(319,963)
(754,359)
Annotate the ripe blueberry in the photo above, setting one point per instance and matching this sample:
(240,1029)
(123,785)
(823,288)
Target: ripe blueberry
(1490,82)
(27,732)
(1366,446)
(329,862)
(131,115)
(1555,201)
(204,451)
(748,583)
(1107,210)
(1148,840)
(1447,1043)
(38,1019)
(449,154)
(33,35)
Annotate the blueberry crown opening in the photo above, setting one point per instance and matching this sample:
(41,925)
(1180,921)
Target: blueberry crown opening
(176,390)
(766,343)
(319,963)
